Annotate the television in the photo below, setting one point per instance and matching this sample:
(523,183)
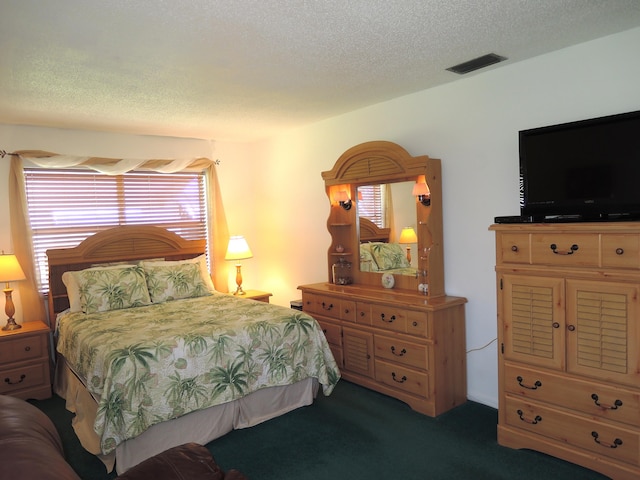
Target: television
(587,170)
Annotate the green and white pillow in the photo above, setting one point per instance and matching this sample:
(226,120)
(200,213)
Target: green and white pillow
(101,289)
(173,280)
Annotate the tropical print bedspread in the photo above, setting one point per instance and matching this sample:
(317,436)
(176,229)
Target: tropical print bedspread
(153,363)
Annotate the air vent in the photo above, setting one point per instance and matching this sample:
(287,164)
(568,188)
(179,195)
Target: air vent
(476,63)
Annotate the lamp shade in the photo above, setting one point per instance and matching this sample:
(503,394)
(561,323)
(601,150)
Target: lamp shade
(420,188)
(408,235)
(10,269)
(238,248)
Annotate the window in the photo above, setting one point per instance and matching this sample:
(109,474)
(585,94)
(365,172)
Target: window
(370,204)
(67,206)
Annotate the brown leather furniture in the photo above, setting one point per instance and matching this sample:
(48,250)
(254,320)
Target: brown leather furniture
(31,449)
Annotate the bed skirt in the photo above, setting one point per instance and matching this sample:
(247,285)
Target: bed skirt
(201,426)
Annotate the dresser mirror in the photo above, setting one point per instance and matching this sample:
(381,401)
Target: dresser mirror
(398,211)
(386,163)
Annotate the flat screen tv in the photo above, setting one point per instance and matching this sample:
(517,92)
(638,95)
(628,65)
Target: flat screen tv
(587,170)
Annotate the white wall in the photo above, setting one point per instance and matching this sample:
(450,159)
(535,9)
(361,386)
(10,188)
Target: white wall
(274,194)
(471,125)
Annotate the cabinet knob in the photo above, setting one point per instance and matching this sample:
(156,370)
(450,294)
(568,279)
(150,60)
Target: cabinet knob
(555,325)
(514,248)
(27,348)
(619,251)
(571,328)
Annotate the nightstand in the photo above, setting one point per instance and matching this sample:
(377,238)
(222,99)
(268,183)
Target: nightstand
(256,295)
(25,368)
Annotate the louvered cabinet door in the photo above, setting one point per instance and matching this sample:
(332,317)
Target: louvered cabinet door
(602,330)
(533,320)
(358,351)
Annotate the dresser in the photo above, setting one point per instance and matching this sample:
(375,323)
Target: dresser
(25,366)
(397,343)
(569,342)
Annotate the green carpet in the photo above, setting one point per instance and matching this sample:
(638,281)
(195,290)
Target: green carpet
(359,434)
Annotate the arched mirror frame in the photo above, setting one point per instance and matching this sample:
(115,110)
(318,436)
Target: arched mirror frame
(381,162)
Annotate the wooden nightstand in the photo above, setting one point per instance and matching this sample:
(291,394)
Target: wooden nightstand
(25,368)
(256,295)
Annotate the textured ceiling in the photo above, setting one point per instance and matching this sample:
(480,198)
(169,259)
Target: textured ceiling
(247,69)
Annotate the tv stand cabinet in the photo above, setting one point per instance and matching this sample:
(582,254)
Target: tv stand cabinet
(569,342)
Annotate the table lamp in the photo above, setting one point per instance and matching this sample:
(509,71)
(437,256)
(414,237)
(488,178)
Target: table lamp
(408,235)
(238,249)
(10,271)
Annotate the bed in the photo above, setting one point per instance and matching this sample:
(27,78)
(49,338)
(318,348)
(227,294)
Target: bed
(150,356)
(377,254)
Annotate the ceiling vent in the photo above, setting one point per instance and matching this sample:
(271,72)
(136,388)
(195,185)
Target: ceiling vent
(476,63)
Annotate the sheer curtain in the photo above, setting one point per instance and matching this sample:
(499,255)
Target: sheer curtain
(32,304)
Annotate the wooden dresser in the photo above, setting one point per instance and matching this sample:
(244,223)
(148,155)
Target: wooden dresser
(569,342)
(397,343)
(25,366)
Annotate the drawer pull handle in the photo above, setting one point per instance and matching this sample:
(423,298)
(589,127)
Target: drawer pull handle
(327,307)
(402,353)
(536,420)
(555,325)
(402,380)
(535,386)
(415,324)
(346,310)
(615,406)
(27,348)
(554,249)
(619,251)
(8,380)
(571,328)
(616,443)
(514,248)
(391,319)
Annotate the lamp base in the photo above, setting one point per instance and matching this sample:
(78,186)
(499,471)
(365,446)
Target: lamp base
(239,291)
(11,325)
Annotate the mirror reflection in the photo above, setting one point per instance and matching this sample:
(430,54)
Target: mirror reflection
(387,221)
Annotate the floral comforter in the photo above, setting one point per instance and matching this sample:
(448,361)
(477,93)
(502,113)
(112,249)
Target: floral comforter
(148,364)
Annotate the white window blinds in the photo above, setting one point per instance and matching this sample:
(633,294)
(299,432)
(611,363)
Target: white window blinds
(370,204)
(67,206)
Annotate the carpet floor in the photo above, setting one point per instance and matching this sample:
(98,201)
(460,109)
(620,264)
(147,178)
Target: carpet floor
(359,434)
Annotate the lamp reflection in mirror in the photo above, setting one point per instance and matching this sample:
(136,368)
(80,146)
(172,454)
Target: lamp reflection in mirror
(408,236)
(10,271)
(237,250)
(421,191)
(344,200)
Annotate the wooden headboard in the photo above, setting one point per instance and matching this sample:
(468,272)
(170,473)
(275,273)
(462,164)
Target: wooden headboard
(370,232)
(118,244)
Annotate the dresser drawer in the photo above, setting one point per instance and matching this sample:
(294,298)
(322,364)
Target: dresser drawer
(17,349)
(389,317)
(565,249)
(320,304)
(20,377)
(399,351)
(514,248)
(602,438)
(613,403)
(403,378)
(620,251)
(332,332)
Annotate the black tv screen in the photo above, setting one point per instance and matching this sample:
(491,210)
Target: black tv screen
(582,171)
